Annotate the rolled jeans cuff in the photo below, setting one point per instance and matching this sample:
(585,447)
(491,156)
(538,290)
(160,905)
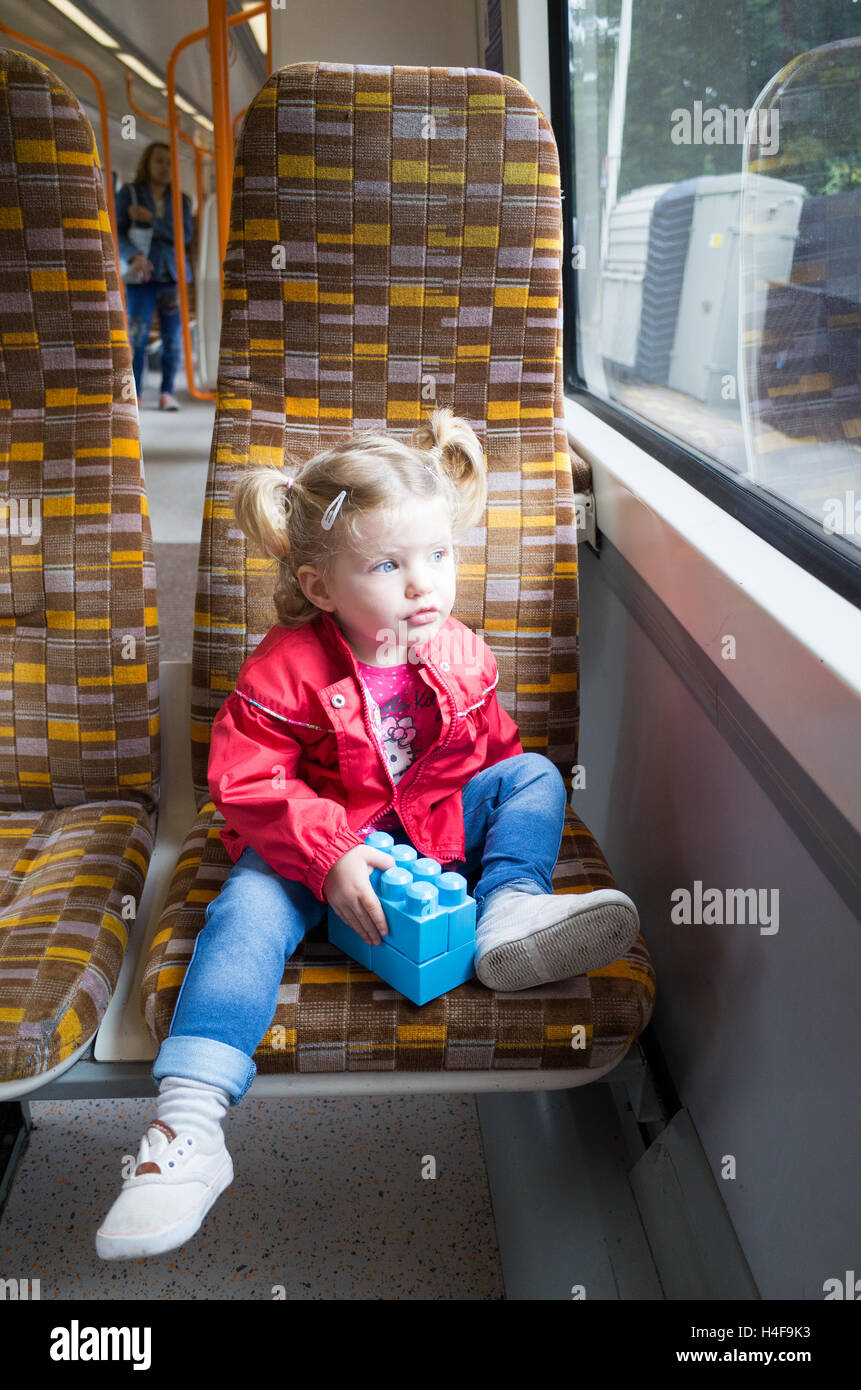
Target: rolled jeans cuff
(206,1059)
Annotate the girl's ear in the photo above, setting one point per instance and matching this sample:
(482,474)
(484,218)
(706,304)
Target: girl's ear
(314,587)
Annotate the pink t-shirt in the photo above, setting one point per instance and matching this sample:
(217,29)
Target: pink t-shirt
(405,714)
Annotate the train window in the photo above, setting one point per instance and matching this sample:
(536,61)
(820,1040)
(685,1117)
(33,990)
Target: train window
(711,170)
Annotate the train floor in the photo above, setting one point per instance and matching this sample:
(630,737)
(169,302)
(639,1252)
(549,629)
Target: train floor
(521,1196)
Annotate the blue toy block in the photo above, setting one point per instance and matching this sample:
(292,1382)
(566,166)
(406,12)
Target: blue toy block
(430,947)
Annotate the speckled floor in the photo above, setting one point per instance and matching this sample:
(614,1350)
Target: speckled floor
(329,1200)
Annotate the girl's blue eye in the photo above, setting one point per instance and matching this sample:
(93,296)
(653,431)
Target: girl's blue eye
(442,551)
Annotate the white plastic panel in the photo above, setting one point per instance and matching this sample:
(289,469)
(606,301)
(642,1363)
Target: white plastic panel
(208,297)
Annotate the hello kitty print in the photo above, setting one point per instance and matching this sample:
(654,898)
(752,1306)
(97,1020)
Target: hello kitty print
(406,716)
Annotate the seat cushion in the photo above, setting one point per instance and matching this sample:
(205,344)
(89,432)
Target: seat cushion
(71,884)
(334,1015)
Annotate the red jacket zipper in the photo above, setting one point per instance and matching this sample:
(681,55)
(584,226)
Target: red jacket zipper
(376,742)
(394,804)
(402,808)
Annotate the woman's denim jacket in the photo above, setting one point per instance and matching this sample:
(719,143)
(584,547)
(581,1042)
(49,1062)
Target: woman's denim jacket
(161,251)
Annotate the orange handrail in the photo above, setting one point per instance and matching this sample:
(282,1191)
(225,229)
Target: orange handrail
(176,202)
(219,23)
(107,171)
(220,86)
(199,150)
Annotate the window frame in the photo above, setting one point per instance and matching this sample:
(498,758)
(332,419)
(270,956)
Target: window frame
(834,561)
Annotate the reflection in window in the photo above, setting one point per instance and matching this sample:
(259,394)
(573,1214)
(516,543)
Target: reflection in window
(717,240)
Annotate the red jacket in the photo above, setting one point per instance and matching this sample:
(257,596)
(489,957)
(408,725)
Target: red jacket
(295,768)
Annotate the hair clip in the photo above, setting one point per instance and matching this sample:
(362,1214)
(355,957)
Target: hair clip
(331,512)
(432,472)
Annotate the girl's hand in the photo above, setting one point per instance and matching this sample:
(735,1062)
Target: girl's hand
(139,213)
(348,890)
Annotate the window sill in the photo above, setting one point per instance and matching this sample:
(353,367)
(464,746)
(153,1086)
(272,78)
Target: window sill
(797,659)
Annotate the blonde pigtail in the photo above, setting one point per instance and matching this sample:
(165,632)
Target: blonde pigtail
(262,504)
(456,450)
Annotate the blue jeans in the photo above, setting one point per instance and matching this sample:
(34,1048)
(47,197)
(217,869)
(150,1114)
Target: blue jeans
(513,815)
(142,301)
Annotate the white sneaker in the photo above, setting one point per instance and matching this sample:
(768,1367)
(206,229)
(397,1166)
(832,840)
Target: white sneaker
(175,1183)
(525,939)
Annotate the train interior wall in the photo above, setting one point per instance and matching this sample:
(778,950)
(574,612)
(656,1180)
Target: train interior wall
(760,1032)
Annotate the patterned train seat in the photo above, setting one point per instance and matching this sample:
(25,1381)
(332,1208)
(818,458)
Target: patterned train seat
(79,739)
(395,243)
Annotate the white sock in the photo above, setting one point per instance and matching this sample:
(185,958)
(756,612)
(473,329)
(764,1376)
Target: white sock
(192,1105)
(520,885)
(500,909)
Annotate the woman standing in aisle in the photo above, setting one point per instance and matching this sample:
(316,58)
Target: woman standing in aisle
(150,280)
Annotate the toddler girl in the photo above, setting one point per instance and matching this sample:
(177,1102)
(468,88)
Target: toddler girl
(366,707)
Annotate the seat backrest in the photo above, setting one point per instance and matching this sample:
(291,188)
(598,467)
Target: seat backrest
(395,244)
(78,616)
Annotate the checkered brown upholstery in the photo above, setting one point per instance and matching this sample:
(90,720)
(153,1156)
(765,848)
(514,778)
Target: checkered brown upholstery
(79,748)
(395,243)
